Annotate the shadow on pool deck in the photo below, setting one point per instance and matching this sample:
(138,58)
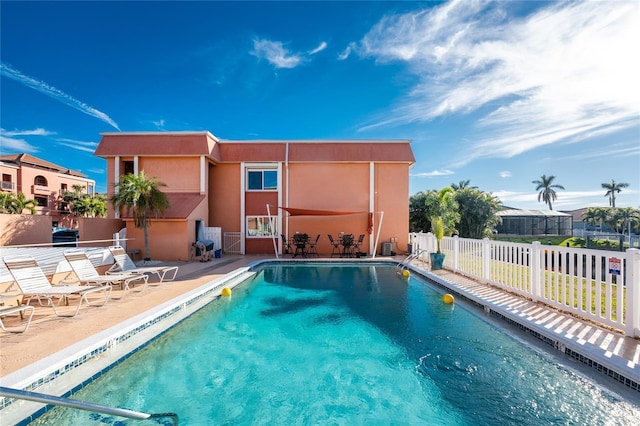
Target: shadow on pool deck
(608,351)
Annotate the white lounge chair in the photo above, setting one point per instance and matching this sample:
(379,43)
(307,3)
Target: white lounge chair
(20,309)
(86,273)
(34,284)
(123,263)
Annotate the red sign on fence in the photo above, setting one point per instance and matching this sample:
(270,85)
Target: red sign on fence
(614,266)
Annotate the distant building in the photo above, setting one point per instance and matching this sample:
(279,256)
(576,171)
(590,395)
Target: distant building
(316,187)
(534,222)
(42,182)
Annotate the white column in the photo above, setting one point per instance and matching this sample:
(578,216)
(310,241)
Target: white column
(632,320)
(243,219)
(372,204)
(203,165)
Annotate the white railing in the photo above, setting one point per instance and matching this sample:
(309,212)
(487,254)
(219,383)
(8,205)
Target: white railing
(598,285)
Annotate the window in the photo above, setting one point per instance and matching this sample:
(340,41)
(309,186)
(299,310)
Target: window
(258,226)
(127,167)
(40,181)
(262,180)
(89,189)
(6,182)
(41,201)
(63,187)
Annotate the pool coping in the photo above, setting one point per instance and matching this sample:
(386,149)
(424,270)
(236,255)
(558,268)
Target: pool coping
(60,374)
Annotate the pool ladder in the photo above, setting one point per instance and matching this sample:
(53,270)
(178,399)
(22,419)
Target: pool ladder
(81,405)
(404,265)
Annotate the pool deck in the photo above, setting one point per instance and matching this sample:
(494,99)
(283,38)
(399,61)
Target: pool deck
(613,354)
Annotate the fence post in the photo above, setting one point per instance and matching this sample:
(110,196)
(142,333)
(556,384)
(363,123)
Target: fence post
(534,271)
(632,320)
(116,239)
(486,259)
(456,251)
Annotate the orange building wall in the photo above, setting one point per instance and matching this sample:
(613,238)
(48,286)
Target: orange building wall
(180,174)
(224,197)
(392,188)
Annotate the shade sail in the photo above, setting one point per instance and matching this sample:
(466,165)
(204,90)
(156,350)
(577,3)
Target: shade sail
(310,212)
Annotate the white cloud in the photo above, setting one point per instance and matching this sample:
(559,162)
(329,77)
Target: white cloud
(34,132)
(564,73)
(56,94)
(15,145)
(320,48)
(275,53)
(78,145)
(158,123)
(433,173)
(346,52)
(505,174)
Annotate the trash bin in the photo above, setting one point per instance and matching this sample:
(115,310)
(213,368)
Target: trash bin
(218,254)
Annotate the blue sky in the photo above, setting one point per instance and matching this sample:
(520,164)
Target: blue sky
(495,93)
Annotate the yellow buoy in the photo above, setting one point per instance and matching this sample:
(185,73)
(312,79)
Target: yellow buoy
(226,291)
(447,298)
(406,273)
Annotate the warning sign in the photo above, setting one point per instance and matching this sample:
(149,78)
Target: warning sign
(614,266)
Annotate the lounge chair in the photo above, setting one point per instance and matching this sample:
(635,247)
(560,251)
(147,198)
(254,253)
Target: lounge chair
(86,273)
(124,264)
(34,284)
(20,309)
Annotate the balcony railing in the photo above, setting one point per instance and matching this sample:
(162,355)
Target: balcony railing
(8,186)
(40,190)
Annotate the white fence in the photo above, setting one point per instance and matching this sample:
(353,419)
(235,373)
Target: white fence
(598,285)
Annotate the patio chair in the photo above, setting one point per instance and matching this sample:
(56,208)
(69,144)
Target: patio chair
(335,246)
(347,246)
(286,245)
(87,274)
(124,264)
(20,309)
(313,247)
(33,284)
(358,243)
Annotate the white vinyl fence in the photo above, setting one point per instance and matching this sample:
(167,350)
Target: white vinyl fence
(598,285)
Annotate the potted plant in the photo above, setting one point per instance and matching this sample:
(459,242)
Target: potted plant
(437,258)
(442,209)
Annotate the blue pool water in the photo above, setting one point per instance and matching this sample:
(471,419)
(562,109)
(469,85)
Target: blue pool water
(345,345)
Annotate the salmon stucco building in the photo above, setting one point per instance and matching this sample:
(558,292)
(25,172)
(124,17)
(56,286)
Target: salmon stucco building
(255,189)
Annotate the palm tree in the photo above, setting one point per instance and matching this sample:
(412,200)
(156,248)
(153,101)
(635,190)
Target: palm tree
(141,197)
(20,203)
(462,185)
(547,189)
(612,188)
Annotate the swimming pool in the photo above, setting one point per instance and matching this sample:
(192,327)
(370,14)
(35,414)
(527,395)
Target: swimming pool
(345,344)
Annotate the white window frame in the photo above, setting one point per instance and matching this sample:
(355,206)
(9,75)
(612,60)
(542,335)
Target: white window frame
(262,170)
(264,220)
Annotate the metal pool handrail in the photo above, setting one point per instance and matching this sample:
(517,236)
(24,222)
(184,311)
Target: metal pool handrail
(82,405)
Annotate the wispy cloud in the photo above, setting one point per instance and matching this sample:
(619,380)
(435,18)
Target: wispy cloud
(44,88)
(34,132)
(78,145)
(346,52)
(565,198)
(158,123)
(275,53)
(505,174)
(320,48)
(563,73)
(433,173)
(16,145)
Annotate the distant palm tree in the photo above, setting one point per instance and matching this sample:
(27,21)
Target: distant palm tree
(141,197)
(612,188)
(547,189)
(462,185)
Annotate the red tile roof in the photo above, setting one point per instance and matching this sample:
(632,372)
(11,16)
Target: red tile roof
(36,162)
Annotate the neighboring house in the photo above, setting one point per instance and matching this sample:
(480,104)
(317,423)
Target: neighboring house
(228,184)
(534,222)
(42,182)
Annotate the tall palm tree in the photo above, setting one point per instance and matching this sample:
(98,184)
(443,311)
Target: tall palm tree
(612,188)
(547,189)
(140,196)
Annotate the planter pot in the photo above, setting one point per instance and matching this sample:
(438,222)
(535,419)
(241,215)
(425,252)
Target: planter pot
(437,259)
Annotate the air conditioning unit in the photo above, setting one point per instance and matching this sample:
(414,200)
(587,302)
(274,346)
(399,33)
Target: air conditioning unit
(386,249)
